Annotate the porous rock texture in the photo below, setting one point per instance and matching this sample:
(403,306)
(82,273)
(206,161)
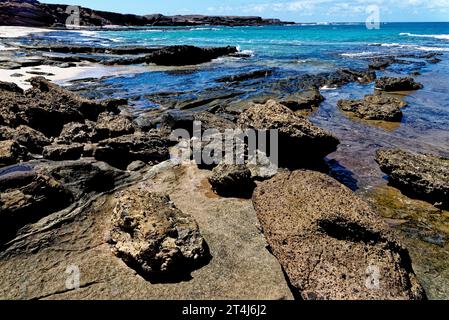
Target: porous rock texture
(330,243)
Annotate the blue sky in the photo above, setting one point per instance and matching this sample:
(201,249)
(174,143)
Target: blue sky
(291,10)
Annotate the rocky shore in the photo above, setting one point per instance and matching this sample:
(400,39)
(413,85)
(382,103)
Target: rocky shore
(97,184)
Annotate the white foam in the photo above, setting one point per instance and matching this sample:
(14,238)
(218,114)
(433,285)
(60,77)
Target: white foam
(414,46)
(358,54)
(204,29)
(434,36)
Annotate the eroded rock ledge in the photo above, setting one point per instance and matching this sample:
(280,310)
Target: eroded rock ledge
(422,176)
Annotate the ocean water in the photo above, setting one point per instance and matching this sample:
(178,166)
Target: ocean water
(291,51)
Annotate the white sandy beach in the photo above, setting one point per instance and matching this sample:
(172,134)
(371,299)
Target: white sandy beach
(15,32)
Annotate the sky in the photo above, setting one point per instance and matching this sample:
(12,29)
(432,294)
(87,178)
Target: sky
(287,10)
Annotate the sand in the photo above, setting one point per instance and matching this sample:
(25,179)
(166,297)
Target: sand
(16,32)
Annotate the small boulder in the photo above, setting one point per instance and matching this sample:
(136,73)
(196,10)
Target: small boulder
(153,237)
(421,176)
(397,84)
(232,180)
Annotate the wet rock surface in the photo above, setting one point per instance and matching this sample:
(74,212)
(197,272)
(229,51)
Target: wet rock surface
(397,84)
(187,55)
(374,107)
(330,243)
(306,100)
(422,176)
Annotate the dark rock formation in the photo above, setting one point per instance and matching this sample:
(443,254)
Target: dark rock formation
(300,142)
(154,237)
(48,103)
(306,100)
(187,55)
(26,197)
(76,132)
(31,13)
(232,180)
(111,126)
(397,84)
(374,107)
(246,76)
(417,175)
(32,139)
(59,152)
(330,243)
(121,151)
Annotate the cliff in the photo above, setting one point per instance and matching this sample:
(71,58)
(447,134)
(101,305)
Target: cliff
(32,13)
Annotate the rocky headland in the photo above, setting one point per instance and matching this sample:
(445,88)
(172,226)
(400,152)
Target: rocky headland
(32,13)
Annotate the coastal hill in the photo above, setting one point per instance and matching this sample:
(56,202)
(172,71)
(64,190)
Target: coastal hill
(32,13)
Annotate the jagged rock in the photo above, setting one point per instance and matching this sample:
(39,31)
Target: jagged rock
(374,107)
(11,152)
(48,103)
(330,242)
(151,235)
(59,152)
(26,197)
(111,126)
(299,141)
(420,176)
(307,100)
(32,139)
(76,132)
(397,84)
(121,151)
(232,180)
(187,55)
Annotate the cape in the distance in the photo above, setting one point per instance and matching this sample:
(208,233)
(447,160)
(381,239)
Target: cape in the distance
(32,13)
